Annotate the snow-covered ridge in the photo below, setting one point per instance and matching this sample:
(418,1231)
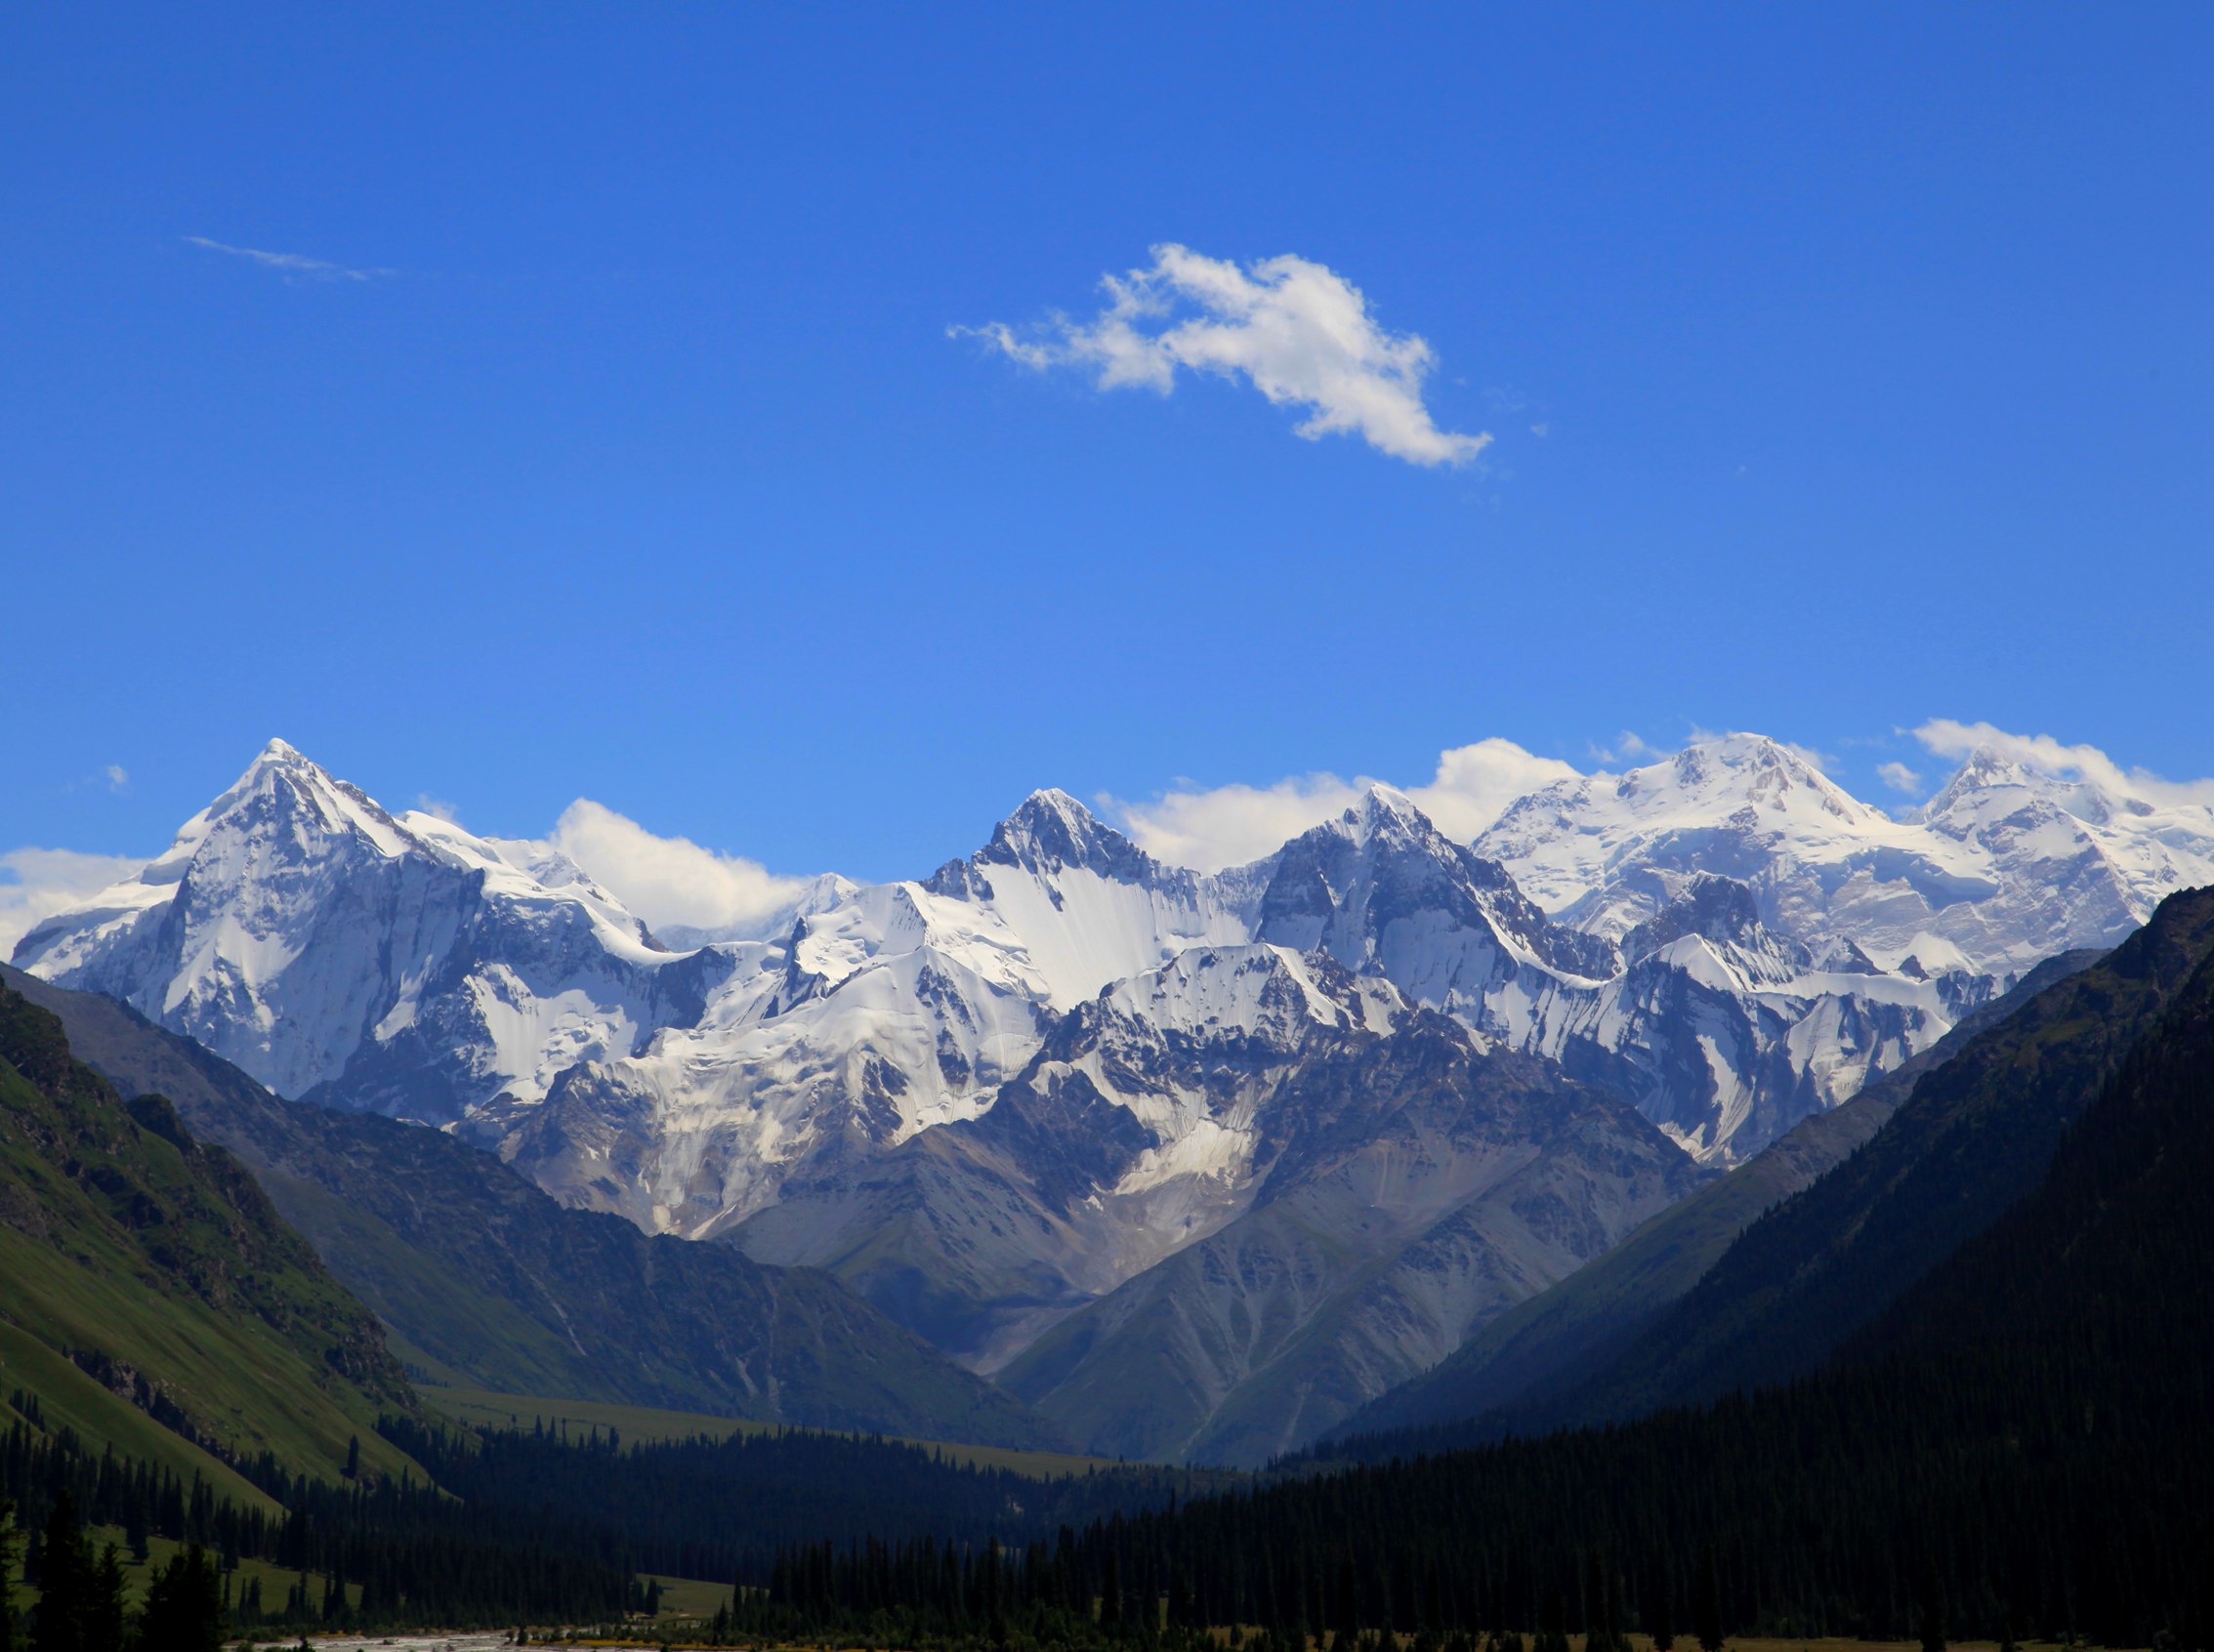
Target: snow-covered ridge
(295,926)
(2003,867)
(1726,939)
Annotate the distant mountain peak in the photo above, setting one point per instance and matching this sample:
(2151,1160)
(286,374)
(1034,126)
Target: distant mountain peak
(281,775)
(1762,774)
(1051,832)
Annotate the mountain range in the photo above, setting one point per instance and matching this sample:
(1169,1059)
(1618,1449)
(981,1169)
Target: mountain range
(1197,1162)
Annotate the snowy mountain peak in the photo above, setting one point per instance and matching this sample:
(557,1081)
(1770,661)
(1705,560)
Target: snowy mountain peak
(1052,831)
(1049,835)
(1725,913)
(297,928)
(1384,811)
(1748,769)
(1382,890)
(313,799)
(1984,771)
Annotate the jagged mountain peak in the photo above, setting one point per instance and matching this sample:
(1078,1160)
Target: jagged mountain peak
(1726,913)
(1049,834)
(1384,813)
(1380,888)
(1989,782)
(1052,830)
(298,928)
(315,796)
(1983,770)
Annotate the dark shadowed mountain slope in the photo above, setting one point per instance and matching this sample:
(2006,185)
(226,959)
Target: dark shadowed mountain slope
(1971,1141)
(1578,1326)
(483,1279)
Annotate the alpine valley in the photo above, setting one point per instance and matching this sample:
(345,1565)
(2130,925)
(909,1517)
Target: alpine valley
(1195,1164)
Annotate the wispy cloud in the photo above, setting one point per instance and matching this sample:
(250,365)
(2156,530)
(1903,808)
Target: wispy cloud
(293,267)
(1627,747)
(37,882)
(1297,331)
(670,880)
(1901,778)
(1211,827)
(2049,756)
(118,777)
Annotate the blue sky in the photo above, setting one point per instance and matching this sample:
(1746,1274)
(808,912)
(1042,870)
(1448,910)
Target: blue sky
(1844,368)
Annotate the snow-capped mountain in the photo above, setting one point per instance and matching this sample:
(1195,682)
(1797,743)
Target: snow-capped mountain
(326,946)
(903,1007)
(400,963)
(1022,1085)
(2003,867)
(1136,1128)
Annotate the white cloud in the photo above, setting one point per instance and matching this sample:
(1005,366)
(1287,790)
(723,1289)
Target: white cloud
(1627,748)
(669,881)
(294,267)
(1229,825)
(1475,784)
(1298,331)
(2049,756)
(37,882)
(118,777)
(1899,778)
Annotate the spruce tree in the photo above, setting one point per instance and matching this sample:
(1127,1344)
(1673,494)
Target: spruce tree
(104,1604)
(65,1579)
(1347,1633)
(1930,1626)
(1654,1607)
(1706,1605)
(10,1544)
(185,1606)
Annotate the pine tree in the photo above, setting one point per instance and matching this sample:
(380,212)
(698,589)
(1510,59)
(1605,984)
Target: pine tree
(104,1604)
(65,1579)
(1706,1605)
(1930,1626)
(1654,1607)
(9,1544)
(1347,1633)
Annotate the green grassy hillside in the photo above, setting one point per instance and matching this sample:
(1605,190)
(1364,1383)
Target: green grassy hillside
(484,1280)
(149,1281)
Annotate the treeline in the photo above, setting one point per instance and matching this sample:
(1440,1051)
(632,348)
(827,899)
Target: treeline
(411,1554)
(723,1508)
